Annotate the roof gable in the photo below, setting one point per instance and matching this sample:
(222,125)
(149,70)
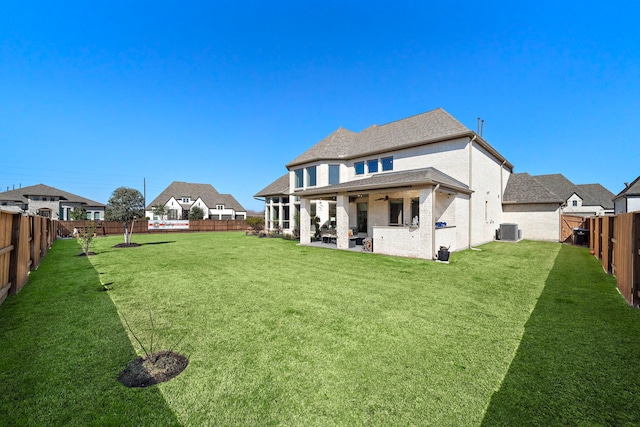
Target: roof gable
(595,195)
(205,192)
(632,189)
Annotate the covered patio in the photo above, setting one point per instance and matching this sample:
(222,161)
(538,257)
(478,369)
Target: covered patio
(408,214)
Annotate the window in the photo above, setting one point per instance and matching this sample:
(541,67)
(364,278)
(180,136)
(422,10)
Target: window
(575,203)
(219,206)
(88,215)
(415,212)
(387,163)
(186,200)
(359,167)
(372,166)
(299,178)
(96,216)
(395,212)
(311,176)
(334,174)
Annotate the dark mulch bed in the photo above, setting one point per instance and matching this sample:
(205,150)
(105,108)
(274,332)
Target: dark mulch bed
(127,245)
(154,369)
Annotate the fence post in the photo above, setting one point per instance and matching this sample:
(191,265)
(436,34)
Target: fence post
(15,253)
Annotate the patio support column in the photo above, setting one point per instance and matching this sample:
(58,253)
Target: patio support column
(342,221)
(305,221)
(280,212)
(427,196)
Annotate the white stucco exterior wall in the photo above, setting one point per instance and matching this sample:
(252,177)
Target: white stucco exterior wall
(537,221)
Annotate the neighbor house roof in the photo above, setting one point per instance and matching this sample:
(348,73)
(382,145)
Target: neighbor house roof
(632,189)
(524,188)
(595,195)
(22,194)
(206,192)
(432,126)
(389,181)
(557,184)
(277,187)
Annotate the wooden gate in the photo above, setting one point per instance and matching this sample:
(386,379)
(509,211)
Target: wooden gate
(569,222)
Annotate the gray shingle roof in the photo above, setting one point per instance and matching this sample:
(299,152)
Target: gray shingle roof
(206,192)
(595,195)
(417,177)
(632,189)
(429,127)
(557,184)
(276,188)
(21,195)
(523,188)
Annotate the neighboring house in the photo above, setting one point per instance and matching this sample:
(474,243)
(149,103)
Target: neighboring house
(628,200)
(581,199)
(179,197)
(411,185)
(49,202)
(536,203)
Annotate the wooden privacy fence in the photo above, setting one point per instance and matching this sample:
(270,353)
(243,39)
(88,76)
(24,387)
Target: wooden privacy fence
(615,240)
(24,241)
(106,228)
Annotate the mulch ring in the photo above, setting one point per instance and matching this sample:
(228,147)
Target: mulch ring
(127,245)
(153,369)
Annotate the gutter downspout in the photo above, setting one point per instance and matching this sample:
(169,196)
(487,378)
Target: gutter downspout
(433,222)
(471,186)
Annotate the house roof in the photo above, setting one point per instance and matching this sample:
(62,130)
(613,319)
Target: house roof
(276,188)
(524,188)
(389,181)
(432,126)
(558,184)
(206,192)
(632,189)
(595,195)
(22,194)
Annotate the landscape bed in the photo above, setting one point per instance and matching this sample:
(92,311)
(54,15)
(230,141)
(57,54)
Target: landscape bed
(526,333)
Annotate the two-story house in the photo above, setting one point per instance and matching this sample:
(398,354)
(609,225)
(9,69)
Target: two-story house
(411,185)
(180,197)
(48,201)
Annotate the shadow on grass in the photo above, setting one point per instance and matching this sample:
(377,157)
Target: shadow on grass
(578,360)
(63,346)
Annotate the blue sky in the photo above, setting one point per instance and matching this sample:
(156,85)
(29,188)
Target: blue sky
(98,95)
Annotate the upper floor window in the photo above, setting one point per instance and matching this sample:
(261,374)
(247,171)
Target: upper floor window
(359,167)
(311,176)
(575,203)
(186,200)
(387,163)
(219,206)
(299,178)
(372,165)
(334,174)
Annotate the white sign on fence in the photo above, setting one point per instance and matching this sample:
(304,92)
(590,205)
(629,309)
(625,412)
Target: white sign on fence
(169,224)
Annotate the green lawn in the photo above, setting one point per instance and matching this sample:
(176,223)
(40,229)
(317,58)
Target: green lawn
(515,334)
